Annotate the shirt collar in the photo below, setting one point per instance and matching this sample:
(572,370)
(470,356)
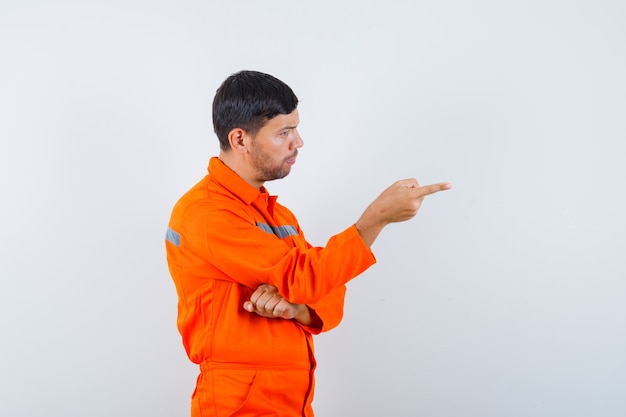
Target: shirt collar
(233,182)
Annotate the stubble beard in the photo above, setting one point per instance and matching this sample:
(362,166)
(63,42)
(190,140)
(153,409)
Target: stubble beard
(267,169)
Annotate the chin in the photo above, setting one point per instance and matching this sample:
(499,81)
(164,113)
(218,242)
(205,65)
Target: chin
(282,174)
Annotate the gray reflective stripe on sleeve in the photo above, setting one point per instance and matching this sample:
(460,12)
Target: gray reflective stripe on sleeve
(284,231)
(172,237)
(265,227)
(280,231)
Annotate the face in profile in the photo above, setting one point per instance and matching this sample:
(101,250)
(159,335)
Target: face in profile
(274,148)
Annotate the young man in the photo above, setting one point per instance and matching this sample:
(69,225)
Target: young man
(252,291)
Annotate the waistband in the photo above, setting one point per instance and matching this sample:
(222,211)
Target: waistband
(208,366)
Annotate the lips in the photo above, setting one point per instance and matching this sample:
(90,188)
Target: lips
(292,159)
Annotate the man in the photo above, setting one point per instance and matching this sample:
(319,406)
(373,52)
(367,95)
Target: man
(252,291)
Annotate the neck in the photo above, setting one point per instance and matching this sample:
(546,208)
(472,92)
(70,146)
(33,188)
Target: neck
(238,164)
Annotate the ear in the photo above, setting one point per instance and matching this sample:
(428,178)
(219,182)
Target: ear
(238,140)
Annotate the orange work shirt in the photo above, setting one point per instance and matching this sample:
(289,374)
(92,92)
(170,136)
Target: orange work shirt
(225,238)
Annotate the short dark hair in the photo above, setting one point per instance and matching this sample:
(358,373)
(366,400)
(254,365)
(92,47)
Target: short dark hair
(247,100)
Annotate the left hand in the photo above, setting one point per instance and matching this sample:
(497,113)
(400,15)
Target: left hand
(266,301)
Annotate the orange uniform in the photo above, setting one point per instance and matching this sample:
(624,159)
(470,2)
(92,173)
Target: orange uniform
(225,238)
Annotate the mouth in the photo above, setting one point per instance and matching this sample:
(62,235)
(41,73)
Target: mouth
(291,159)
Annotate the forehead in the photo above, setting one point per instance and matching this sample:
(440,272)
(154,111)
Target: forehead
(283,121)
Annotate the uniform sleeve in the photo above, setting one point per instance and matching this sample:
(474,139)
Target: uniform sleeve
(329,310)
(304,275)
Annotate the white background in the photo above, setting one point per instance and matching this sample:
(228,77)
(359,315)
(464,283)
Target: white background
(504,297)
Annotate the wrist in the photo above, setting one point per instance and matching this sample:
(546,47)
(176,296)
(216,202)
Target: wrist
(369,227)
(302,315)
(308,317)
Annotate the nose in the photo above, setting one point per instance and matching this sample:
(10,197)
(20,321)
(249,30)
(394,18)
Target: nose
(298,142)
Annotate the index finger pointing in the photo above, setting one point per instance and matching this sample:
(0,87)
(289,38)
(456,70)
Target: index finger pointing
(433,188)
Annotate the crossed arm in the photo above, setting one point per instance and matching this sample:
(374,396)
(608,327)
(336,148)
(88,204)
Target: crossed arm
(266,301)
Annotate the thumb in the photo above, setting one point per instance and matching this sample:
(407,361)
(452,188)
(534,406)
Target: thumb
(248,306)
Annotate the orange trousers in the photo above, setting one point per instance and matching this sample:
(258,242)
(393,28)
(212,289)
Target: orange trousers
(236,391)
